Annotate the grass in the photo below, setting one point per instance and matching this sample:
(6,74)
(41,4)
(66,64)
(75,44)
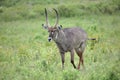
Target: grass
(25,53)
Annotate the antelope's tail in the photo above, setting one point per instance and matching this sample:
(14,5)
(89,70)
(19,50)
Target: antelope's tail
(91,39)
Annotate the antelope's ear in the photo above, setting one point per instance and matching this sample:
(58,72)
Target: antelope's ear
(44,26)
(59,27)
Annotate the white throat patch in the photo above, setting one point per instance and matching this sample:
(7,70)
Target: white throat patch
(56,36)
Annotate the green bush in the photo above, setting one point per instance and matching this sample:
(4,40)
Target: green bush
(67,11)
(8,3)
(109,7)
(15,9)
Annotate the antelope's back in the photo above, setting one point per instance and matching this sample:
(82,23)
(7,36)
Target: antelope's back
(75,35)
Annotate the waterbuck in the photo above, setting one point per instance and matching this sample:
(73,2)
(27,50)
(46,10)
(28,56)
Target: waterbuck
(67,40)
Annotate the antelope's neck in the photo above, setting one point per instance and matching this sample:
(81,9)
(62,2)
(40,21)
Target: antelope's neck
(60,37)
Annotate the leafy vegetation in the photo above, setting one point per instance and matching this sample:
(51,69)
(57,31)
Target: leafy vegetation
(20,9)
(25,53)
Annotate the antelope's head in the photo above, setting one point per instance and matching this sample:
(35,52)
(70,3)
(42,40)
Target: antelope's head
(53,30)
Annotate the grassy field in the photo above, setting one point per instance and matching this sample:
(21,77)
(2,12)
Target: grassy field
(26,54)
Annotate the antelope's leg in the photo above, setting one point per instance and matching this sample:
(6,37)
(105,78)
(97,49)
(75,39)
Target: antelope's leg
(79,64)
(72,58)
(81,58)
(63,59)
(80,54)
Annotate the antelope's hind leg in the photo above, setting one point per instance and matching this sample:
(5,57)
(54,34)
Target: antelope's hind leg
(79,52)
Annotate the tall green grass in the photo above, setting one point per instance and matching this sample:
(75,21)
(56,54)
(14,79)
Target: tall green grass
(25,53)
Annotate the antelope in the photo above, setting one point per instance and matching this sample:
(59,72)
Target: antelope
(67,40)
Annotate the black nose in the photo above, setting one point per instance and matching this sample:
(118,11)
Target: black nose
(49,39)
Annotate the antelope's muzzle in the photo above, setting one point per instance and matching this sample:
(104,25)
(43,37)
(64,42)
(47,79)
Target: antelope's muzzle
(49,39)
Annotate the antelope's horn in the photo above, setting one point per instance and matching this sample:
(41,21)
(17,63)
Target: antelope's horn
(57,18)
(46,16)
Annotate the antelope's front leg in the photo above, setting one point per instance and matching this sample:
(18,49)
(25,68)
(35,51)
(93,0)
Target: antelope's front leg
(63,59)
